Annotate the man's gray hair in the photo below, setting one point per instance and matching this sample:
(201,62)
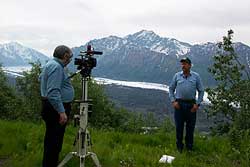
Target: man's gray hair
(61,50)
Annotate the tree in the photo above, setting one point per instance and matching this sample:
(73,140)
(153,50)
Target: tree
(231,97)
(28,88)
(9,102)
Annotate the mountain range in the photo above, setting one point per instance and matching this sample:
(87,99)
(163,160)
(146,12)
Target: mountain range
(143,56)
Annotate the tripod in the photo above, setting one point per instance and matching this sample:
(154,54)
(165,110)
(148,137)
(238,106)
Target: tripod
(82,142)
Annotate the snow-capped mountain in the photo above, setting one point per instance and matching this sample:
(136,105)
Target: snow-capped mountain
(147,57)
(15,54)
(154,42)
(142,39)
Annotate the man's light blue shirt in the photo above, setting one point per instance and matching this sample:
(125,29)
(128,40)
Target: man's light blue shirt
(55,84)
(186,87)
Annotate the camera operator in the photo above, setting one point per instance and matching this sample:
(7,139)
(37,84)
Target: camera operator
(57,94)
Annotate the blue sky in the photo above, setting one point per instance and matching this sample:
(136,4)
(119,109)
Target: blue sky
(45,24)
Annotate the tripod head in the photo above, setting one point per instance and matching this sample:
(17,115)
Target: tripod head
(86,62)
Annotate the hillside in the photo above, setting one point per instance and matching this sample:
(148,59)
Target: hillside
(21,145)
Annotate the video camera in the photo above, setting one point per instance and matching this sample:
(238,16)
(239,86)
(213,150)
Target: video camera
(87,62)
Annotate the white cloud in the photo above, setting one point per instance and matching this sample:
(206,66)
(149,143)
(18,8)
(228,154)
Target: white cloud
(47,23)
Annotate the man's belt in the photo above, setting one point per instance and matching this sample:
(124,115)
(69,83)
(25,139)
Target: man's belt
(45,98)
(192,101)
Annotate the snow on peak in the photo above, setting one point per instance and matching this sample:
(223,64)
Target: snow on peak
(154,42)
(143,35)
(14,53)
(206,44)
(14,48)
(12,44)
(182,49)
(111,42)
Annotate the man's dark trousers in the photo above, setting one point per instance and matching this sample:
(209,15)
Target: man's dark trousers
(53,138)
(184,115)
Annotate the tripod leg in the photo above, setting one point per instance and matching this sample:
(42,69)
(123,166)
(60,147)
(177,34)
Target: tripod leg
(66,159)
(95,159)
(82,161)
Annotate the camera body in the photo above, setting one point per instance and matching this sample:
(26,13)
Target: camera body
(87,62)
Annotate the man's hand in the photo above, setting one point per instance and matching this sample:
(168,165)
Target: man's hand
(63,118)
(195,108)
(176,105)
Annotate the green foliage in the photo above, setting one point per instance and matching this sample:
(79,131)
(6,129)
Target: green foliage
(28,88)
(21,145)
(9,103)
(230,99)
(167,126)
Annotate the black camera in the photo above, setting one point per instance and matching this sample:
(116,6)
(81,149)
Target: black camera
(87,62)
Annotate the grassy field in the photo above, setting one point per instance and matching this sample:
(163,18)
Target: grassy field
(21,145)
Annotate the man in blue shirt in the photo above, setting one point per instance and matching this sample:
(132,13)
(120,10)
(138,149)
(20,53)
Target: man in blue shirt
(57,94)
(182,93)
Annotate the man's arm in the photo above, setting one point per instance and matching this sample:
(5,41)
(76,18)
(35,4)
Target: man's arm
(200,89)
(172,87)
(54,83)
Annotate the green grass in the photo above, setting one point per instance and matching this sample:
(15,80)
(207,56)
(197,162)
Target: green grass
(21,145)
